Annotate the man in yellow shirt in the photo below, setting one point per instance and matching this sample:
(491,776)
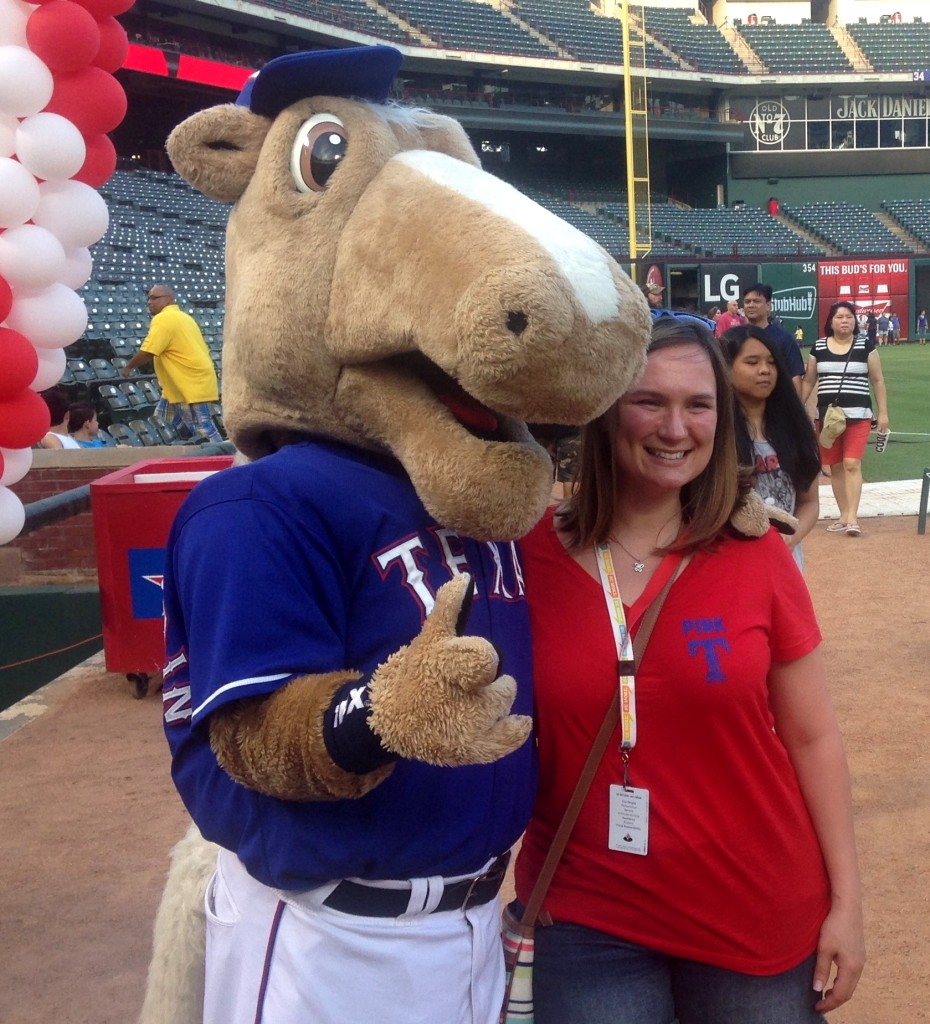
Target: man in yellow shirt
(182,364)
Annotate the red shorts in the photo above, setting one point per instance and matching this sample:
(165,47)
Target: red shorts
(849,445)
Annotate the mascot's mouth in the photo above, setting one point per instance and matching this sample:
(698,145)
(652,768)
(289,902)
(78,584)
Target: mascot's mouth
(478,419)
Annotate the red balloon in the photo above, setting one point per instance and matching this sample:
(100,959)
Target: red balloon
(63,34)
(106,8)
(6,298)
(24,420)
(18,362)
(100,162)
(90,98)
(114,45)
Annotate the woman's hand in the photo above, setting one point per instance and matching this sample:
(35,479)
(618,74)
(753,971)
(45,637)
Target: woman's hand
(842,943)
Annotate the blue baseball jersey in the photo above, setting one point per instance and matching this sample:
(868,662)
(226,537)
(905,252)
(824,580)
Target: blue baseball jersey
(316,559)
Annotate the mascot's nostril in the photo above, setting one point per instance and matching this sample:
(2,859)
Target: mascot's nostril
(517,321)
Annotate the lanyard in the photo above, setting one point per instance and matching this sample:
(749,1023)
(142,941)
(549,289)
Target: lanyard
(625,663)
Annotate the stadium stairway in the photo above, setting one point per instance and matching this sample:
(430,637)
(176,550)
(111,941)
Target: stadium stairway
(415,33)
(743,50)
(850,47)
(809,236)
(897,229)
(540,37)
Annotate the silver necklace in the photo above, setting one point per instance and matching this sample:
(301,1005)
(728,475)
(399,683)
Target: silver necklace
(638,564)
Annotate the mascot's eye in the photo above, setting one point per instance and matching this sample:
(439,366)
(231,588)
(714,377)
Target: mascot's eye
(318,148)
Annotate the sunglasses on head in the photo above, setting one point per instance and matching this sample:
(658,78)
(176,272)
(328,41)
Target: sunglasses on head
(685,318)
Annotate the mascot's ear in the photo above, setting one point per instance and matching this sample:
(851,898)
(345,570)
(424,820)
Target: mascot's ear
(446,135)
(216,150)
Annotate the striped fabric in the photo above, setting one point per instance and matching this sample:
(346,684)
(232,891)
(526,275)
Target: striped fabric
(854,396)
(518,958)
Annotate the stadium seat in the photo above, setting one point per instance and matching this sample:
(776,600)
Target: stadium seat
(114,404)
(103,369)
(146,432)
(122,433)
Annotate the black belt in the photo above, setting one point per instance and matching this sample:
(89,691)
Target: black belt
(371,901)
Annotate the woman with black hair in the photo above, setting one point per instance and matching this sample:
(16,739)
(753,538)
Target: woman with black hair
(773,432)
(843,367)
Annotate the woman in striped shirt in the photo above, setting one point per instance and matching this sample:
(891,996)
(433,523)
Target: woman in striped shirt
(842,366)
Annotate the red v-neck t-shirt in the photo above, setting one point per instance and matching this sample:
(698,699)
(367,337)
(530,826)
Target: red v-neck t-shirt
(733,876)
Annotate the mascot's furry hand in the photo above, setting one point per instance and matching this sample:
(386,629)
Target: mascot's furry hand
(753,517)
(336,736)
(440,699)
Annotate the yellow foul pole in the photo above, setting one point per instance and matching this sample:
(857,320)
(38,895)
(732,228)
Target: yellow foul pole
(637,138)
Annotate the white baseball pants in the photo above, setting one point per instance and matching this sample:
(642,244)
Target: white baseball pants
(276,957)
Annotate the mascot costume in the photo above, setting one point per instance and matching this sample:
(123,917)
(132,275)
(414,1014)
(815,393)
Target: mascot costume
(341,609)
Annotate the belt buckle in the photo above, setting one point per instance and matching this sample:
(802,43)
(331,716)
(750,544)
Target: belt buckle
(495,873)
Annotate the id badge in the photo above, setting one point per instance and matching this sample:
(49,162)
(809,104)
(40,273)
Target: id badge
(628,830)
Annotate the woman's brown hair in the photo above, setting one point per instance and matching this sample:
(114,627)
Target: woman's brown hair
(708,501)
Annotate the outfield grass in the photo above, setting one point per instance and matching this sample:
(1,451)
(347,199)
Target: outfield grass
(906,369)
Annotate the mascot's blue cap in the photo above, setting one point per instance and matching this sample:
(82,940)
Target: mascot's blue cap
(359,72)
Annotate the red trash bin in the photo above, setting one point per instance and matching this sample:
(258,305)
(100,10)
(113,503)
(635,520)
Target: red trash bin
(133,510)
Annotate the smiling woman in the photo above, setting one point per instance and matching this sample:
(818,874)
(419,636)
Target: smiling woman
(711,873)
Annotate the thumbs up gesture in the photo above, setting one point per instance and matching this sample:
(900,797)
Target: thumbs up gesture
(440,698)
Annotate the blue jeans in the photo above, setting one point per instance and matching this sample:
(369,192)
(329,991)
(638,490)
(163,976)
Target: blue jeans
(583,976)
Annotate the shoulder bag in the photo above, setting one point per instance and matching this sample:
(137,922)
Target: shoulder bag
(519,935)
(834,419)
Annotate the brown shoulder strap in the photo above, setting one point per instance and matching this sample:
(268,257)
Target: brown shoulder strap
(560,839)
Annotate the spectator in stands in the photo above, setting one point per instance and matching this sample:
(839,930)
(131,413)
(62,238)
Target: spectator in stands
(774,434)
(841,366)
(182,364)
(83,426)
(58,407)
(757,308)
(731,317)
(922,327)
(654,294)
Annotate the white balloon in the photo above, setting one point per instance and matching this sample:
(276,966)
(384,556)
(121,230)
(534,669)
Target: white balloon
(16,464)
(26,84)
(74,212)
(19,193)
(51,368)
(31,257)
(79,265)
(13,18)
(51,318)
(50,146)
(12,515)
(8,126)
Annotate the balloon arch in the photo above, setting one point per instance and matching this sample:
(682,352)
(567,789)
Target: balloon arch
(58,100)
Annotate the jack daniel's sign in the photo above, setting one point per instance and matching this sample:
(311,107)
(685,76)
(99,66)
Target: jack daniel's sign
(850,108)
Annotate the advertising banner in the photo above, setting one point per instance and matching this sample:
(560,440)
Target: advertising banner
(794,297)
(876,286)
(721,282)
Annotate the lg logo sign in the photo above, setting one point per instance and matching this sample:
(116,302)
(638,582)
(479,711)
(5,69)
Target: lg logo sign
(721,285)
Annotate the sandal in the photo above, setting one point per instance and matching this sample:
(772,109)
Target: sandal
(837,528)
(852,530)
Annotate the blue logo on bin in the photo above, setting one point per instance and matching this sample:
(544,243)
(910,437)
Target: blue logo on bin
(146,581)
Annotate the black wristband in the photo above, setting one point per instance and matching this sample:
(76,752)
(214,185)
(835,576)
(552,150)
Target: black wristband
(347,735)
